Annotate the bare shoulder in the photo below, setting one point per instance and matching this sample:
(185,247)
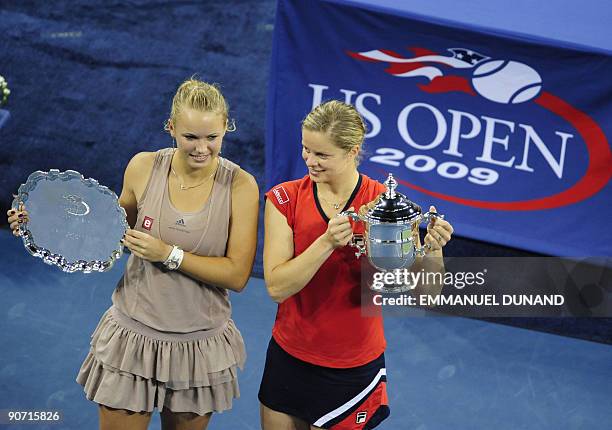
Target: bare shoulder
(141,161)
(245,183)
(140,165)
(138,171)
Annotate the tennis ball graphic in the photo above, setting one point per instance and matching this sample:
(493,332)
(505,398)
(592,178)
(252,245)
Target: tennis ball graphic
(508,82)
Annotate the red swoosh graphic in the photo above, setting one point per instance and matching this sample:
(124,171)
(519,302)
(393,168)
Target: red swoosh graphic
(598,174)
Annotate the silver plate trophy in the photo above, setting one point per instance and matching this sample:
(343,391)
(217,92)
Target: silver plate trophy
(74,223)
(389,242)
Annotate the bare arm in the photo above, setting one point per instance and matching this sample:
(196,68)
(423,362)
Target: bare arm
(139,166)
(439,232)
(233,270)
(286,275)
(433,262)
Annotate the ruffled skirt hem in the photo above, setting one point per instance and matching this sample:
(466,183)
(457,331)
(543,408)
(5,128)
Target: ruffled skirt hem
(127,369)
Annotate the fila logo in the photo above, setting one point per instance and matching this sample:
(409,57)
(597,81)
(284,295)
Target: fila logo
(281,195)
(147,223)
(181,222)
(361,417)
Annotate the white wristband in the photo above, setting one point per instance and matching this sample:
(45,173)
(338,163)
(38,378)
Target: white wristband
(175,258)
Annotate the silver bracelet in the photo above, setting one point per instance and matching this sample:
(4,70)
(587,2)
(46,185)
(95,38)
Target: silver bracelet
(175,258)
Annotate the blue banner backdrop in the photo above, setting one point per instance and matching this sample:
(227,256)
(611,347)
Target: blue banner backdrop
(508,138)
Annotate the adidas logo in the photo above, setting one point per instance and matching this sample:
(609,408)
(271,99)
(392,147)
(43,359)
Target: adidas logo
(180,222)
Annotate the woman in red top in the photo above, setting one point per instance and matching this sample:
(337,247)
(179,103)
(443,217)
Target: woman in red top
(325,363)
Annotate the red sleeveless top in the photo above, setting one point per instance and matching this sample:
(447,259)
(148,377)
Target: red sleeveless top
(323,324)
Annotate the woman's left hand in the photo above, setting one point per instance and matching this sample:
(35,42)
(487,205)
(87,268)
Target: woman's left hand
(146,246)
(439,232)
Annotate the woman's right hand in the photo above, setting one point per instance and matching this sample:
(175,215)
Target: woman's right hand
(339,231)
(16,218)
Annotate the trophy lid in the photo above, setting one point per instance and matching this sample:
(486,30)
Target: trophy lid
(393,207)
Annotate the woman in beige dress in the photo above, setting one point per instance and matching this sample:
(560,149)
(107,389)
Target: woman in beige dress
(168,341)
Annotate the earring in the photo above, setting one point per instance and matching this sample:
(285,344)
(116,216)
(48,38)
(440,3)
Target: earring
(173,143)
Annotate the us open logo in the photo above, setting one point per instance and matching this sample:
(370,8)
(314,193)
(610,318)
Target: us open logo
(479,125)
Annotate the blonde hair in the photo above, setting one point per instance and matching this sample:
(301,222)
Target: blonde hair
(201,96)
(341,122)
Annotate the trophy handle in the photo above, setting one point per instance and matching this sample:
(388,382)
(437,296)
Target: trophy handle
(352,215)
(427,216)
(359,244)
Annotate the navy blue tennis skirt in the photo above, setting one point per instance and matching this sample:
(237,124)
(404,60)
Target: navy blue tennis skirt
(329,398)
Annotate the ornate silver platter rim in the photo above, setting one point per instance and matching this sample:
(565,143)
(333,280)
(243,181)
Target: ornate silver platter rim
(56,259)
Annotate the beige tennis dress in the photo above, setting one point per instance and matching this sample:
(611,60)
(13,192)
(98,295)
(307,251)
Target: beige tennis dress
(168,340)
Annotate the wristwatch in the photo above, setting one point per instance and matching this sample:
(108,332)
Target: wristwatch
(175,258)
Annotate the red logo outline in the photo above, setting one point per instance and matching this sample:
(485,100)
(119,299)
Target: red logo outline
(147,223)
